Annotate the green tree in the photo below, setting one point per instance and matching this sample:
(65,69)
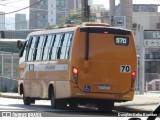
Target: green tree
(76,16)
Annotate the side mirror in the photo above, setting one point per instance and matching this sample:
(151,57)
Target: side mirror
(19,44)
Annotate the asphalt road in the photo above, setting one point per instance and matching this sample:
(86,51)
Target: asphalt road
(42,108)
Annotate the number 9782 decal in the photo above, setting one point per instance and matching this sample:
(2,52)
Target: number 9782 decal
(125,68)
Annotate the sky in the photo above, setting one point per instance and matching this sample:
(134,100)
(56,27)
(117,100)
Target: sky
(12,5)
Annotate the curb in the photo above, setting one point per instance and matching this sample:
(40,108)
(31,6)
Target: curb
(10,96)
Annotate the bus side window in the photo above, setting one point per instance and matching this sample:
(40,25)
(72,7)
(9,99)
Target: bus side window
(28,48)
(32,48)
(43,49)
(69,46)
(60,47)
(55,46)
(39,49)
(35,48)
(47,46)
(64,46)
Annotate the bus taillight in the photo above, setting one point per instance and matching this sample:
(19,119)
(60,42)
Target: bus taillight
(105,32)
(75,74)
(133,78)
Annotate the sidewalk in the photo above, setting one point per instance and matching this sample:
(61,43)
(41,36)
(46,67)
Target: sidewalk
(11,95)
(144,103)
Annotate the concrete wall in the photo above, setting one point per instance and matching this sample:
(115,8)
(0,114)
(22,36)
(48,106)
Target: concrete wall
(148,20)
(8,85)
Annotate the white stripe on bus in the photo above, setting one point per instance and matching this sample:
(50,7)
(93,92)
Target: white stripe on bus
(50,67)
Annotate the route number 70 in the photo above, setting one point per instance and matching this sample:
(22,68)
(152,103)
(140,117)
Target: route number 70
(125,68)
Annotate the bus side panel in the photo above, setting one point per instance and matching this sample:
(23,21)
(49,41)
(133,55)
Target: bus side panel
(27,88)
(74,59)
(22,69)
(62,89)
(31,76)
(52,72)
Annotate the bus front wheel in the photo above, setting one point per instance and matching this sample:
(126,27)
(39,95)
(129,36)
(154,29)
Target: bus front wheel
(53,101)
(27,100)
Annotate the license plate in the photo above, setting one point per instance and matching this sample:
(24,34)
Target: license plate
(104,87)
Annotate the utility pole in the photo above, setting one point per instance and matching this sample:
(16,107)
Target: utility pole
(112,12)
(85,11)
(141,63)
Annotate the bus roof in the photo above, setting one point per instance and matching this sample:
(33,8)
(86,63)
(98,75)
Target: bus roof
(54,31)
(73,28)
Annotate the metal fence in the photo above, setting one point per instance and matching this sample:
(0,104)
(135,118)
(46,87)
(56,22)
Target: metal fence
(9,65)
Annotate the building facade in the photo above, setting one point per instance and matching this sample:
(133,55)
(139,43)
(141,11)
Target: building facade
(20,22)
(58,9)
(2,21)
(38,11)
(101,13)
(148,17)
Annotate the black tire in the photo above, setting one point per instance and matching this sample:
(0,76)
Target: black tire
(105,106)
(53,101)
(26,100)
(56,103)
